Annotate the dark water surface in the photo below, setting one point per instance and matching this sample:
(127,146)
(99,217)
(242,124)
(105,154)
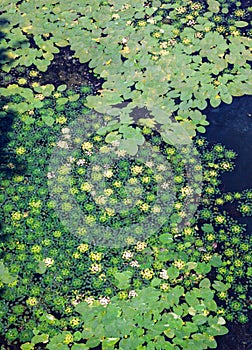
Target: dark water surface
(232,126)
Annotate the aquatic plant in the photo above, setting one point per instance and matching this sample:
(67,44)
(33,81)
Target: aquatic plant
(174,287)
(168,289)
(130,46)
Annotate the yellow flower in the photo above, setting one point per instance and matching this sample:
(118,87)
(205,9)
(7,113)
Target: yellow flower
(33,73)
(35,204)
(179,264)
(147,274)
(144,207)
(90,219)
(165,287)
(61,119)
(35,84)
(36,248)
(132,181)
(145,179)
(86,186)
(68,338)
(125,50)
(75,321)
(22,81)
(136,169)
(108,191)
(82,231)
(87,146)
(156,209)
(31,301)
(100,200)
(140,246)
(110,211)
(20,150)
(186,41)
(76,255)
(57,94)
(117,184)
(95,256)
(141,23)
(16,215)
(83,247)
(188,231)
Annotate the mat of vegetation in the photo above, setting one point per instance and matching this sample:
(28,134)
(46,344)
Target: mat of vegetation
(151,258)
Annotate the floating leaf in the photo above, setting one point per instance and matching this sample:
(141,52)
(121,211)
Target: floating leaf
(48,120)
(123,279)
(41,269)
(241,24)
(42,338)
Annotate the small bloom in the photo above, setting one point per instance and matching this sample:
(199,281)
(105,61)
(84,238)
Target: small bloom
(104,301)
(83,247)
(32,301)
(48,262)
(132,294)
(90,300)
(140,246)
(108,173)
(163,274)
(62,144)
(86,186)
(147,274)
(127,255)
(95,268)
(87,146)
(134,263)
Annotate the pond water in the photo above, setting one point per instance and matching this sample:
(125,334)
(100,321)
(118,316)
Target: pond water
(232,126)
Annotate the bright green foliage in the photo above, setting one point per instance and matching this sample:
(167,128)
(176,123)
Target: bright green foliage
(172,289)
(194,52)
(162,284)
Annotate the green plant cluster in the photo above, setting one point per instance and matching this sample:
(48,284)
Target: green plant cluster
(173,289)
(196,52)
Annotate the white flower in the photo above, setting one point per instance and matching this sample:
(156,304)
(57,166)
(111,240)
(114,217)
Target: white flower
(81,162)
(149,164)
(163,275)
(50,175)
(104,301)
(132,294)
(127,255)
(165,185)
(70,159)
(161,167)
(89,300)
(65,131)
(48,262)
(108,173)
(62,144)
(115,16)
(156,209)
(75,302)
(134,263)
